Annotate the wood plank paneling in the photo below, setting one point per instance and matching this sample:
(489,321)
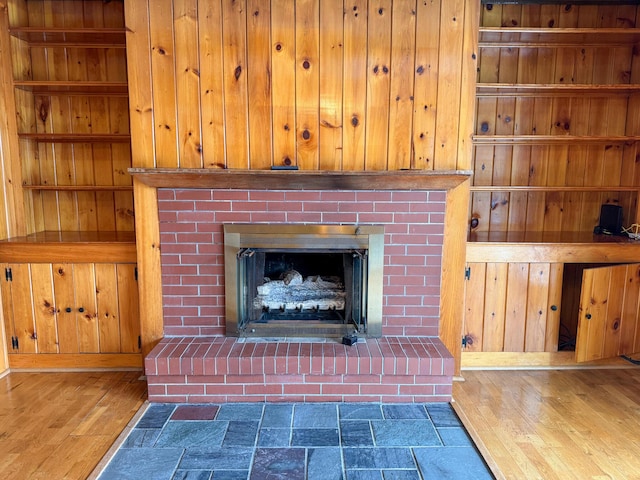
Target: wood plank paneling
(260,94)
(277,76)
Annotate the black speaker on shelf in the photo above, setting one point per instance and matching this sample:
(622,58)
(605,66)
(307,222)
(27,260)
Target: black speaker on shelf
(610,220)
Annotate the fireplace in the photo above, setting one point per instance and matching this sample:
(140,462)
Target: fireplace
(303,280)
(392,222)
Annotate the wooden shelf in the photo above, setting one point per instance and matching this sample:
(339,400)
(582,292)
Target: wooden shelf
(517,37)
(81,188)
(561,247)
(72,247)
(71,37)
(74,88)
(555,90)
(77,137)
(552,140)
(553,188)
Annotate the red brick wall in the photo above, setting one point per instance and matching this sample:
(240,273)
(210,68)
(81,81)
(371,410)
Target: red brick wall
(193,259)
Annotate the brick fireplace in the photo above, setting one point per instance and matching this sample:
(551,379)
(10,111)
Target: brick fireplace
(197,362)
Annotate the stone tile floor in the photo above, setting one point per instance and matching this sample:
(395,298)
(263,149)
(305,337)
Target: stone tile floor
(324,441)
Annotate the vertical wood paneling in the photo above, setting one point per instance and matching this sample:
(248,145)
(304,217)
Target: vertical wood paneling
(127,304)
(108,315)
(187,65)
(474,307)
(211,83)
(259,67)
(403,44)
(331,91)
(378,84)
(494,307)
(44,310)
(140,83)
(63,286)
(355,84)
(234,40)
(86,308)
(283,82)
(537,298)
(552,333)
(426,83)
(163,82)
(517,301)
(24,328)
(449,83)
(307,27)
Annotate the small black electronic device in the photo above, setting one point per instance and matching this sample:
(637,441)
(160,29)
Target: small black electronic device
(610,220)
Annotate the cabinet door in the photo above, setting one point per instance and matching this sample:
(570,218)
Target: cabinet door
(608,313)
(18,309)
(70,308)
(512,307)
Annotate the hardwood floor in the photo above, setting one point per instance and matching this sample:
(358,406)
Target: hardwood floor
(554,424)
(59,425)
(539,424)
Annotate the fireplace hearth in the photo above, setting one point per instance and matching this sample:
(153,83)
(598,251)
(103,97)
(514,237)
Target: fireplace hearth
(303,280)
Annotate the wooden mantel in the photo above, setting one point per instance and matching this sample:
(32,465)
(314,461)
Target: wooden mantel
(301,179)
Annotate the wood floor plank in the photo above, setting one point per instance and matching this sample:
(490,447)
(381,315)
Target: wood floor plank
(548,424)
(60,425)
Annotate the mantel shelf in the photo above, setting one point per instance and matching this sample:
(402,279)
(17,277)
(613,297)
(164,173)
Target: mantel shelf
(301,179)
(73,88)
(71,37)
(554,89)
(553,140)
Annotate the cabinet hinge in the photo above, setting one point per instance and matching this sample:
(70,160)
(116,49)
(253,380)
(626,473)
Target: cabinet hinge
(466,341)
(8,275)
(467,273)
(139,342)
(135,273)
(14,343)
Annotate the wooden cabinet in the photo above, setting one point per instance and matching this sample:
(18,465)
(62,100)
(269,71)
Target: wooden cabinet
(85,313)
(512,307)
(70,308)
(70,300)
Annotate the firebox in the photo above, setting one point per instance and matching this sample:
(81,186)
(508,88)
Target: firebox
(303,280)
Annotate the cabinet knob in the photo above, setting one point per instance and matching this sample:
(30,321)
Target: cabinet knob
(81,309)
(588,315)
(68,309)
(554,308)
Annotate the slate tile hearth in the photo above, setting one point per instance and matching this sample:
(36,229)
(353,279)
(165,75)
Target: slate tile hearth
(324,441)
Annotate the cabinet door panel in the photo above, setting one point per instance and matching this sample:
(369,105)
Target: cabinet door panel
(108,311)
(474,307)
(129,310)
(65,306)
(86,311)
(608,307)
(44,308)
(23,321)
(513,307)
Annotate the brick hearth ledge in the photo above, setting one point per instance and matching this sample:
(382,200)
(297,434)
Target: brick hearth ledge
(224,369)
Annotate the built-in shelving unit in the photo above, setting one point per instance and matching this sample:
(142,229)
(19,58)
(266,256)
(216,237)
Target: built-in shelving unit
(557,136)
(78,253)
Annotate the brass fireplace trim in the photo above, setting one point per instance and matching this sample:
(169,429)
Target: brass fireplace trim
(286,236)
